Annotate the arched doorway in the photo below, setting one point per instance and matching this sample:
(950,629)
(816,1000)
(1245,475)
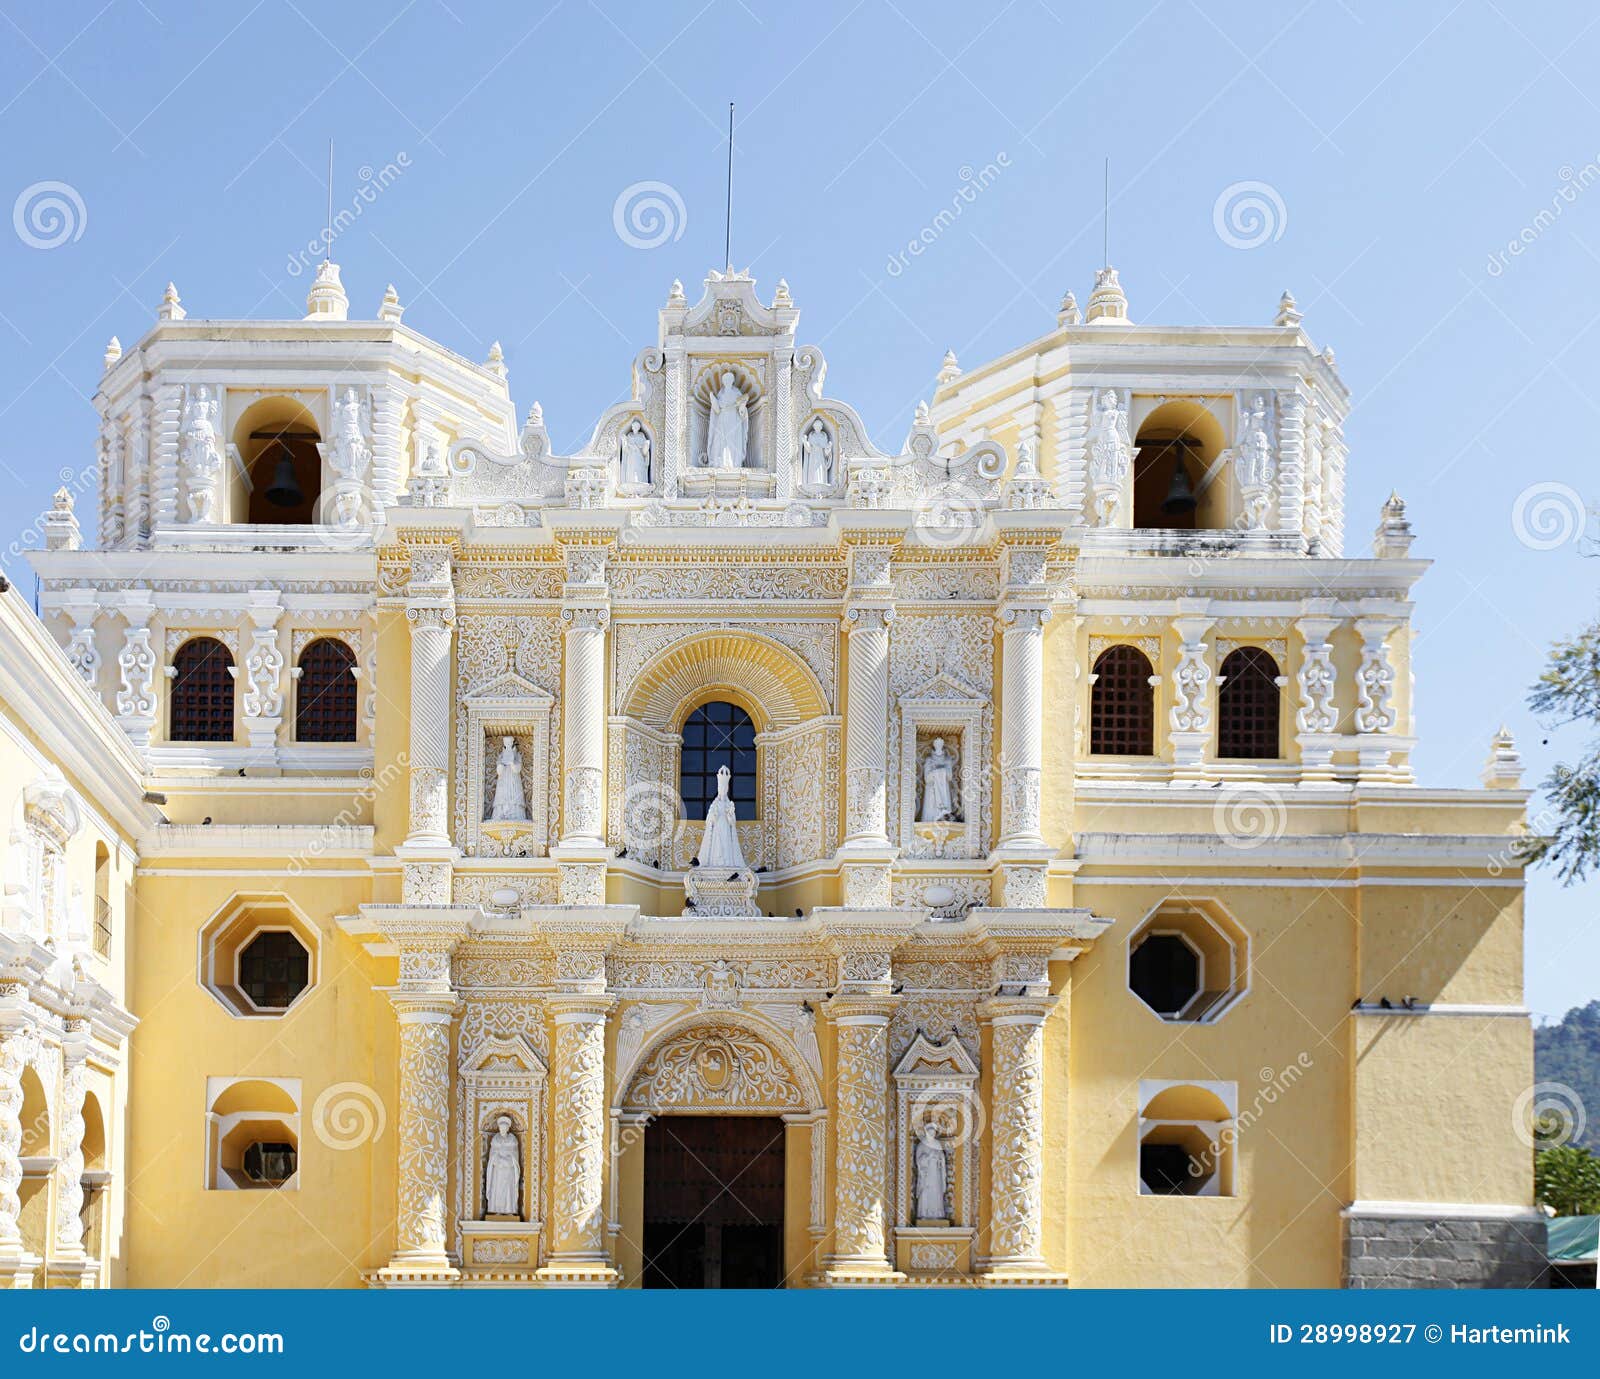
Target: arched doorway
(719,1114)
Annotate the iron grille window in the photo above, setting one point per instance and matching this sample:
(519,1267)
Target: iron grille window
(325,694)
(715,735)
(274,968)
(1122,704)
(1248,705)
(202,692)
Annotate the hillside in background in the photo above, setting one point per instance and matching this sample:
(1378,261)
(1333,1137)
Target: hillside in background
(1569,1053)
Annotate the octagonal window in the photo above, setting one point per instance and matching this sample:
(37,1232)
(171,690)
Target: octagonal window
(1189,961)
(1164,972)
(274,968)
(258,956)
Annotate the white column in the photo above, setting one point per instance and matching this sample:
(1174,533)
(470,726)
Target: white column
(866,726)
(430,609)
(82,605)
(578,1107)
(1291,465)
(263,671)
(1317,719)
(1377,716)
(1190,716)
(1016,1142)
(584,684)
(136,665)
(18,1048)
(69,1164)
(1021,724)
(861,1118)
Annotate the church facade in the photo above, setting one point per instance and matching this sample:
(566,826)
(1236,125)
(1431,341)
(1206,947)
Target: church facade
(736,854)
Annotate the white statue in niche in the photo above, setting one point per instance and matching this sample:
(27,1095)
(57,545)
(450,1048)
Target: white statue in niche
(728,430)
(933,1174)
(509,805)
(502,1172)
(816,464)
(719,848)
(1110,456)
(636,456)
(939,788)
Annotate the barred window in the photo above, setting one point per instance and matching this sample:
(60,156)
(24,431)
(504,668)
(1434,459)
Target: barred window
(1248,705)
(1122,710)
(274,968)
(202,692)
(714,735)
(325,693)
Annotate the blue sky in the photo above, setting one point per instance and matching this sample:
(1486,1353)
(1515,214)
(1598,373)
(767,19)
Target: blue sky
(1402,149)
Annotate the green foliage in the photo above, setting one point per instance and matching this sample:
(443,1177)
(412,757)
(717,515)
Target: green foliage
(1569,1053)
(1569,692)
(1567,1180)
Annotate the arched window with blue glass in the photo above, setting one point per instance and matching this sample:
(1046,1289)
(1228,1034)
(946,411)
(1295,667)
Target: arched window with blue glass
(715,735)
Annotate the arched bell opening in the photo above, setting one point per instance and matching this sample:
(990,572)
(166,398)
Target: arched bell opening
(279,474)
(1175,469)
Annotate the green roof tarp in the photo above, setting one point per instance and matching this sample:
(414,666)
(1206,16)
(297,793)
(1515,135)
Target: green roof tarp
(1574,1239)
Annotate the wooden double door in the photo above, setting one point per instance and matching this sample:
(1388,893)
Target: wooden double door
(713,1202)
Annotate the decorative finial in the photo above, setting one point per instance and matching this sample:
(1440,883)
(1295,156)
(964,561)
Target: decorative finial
(1327,356)
(1027,461)
(949,371)
(391,310)
(1067,314)
(113,351)
(496,362)
(1107,303)
(535,415)
(1287,313)
(675,295)
(61,524)
(171,309)
(781,297)
(924,415)
(326,301)
(1503,769)
(1392,540)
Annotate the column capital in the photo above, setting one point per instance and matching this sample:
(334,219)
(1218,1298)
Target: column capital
(1016,1010)
(864,943)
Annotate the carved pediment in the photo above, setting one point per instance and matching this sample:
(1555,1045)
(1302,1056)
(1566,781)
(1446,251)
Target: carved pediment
(946,688)
(500,1058)
(510,687)
(929,1062)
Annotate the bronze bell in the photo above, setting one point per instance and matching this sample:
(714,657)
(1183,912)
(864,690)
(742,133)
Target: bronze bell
(285,491)
(1180,497)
